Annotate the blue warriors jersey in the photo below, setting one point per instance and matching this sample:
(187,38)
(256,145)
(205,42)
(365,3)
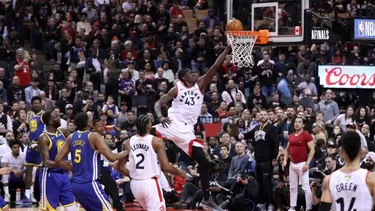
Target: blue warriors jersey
(85,160)
(56,142)
(36,125)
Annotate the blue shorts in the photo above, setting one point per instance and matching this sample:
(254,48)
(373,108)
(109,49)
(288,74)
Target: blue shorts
(14,179)
(54,188)
(91,196)
(33,158)
(3,204)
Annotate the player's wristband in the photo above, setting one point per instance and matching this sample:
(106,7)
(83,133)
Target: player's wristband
(324,206)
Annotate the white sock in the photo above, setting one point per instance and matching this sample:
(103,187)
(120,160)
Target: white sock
(71,208)
(6,190)
(27,193)
(32,189)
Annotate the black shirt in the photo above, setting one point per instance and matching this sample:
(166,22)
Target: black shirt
(265,142)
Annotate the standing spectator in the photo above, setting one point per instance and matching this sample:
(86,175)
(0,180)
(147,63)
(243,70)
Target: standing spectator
(6,123)
(344,119)
(15,92)
(32,90)
(300,144)
(328,107)
(229,95)
(267,76)
(22,68)
(266,147)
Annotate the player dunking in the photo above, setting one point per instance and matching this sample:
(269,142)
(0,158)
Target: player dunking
(349,188)
(85,148)
(53,180)
(187,98)
(146,155)
(36,127)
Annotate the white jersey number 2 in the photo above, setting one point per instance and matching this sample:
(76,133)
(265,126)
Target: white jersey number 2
(139,163)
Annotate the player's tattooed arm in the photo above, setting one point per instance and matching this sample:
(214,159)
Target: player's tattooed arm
(120,165)
(100,145)
(326,199)
(159,147)
(63,153)
(43,145)
(206,79)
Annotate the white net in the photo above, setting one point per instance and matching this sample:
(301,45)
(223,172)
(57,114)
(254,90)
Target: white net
(242,47)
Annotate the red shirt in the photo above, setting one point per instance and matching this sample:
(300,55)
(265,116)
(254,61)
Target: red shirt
(298,148)
(24,74)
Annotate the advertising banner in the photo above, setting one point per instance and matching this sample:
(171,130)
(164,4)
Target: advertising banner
(364,29)
(339,76)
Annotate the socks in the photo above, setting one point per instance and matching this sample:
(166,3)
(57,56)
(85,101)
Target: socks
(32,189)
(27,193)
(6,190)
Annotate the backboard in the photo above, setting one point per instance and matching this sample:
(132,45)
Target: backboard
(283,18)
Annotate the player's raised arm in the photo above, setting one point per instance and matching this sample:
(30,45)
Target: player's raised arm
(100,145)
(63,153)
(326,199)
(159,148)
(206,79)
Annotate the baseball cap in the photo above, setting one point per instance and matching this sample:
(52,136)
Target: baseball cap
(68,106)
(96,23)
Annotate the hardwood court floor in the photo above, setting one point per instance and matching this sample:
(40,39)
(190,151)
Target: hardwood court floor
(129,207)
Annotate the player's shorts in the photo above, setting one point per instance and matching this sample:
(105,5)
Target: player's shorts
(3,204)
(54,188)
(148,194)
(91,196)
(33,157)
(180,133)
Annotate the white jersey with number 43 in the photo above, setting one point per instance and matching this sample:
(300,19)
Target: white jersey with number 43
(143,160)
(187,105)
(350,191)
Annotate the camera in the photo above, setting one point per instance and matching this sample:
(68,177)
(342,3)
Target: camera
(243,176)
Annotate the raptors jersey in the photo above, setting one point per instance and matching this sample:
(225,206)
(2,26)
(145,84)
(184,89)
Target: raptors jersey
(186,107)
(350,191)
(143,160)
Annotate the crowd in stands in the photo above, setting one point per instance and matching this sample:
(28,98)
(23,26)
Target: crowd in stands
(114,60)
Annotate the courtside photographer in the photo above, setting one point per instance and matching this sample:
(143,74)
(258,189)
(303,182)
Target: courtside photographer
(242,195)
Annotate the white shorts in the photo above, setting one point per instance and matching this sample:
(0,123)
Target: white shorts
(148,194)
(180,133)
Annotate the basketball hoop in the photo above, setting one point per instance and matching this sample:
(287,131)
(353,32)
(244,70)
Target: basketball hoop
(242,43)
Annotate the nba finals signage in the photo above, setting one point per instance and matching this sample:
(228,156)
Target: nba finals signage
(320,35)
(364,29)
(339,76)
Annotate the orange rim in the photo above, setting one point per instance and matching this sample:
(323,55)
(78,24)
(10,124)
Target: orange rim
(260,33)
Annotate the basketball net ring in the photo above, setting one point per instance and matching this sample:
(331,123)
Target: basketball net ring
(242,43)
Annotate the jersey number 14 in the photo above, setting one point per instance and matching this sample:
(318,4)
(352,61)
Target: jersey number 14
(341,202)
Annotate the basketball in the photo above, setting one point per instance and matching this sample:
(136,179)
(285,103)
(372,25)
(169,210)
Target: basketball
(234,25)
